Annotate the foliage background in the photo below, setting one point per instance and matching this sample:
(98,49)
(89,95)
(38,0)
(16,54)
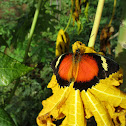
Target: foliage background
(15,21)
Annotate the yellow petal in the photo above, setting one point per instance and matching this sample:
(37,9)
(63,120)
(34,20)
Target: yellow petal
(114,79)
(110,81)
(88,113)
(122,119)
(56,100)
(117,114)
(42,121)
(110,108)
(62,43)
(119,119)
(110,94)
(64,122)
(53,82)
(53,104)
(82,48)
(75,113)
(97,109)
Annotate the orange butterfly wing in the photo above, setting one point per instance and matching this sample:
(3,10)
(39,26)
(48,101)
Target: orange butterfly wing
(65,68)
(88,69)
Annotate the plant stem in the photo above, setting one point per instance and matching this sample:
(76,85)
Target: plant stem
(96,23)
(72,8)
(27,48)
(113,12)
(32,30)
(68,22)
(12,93)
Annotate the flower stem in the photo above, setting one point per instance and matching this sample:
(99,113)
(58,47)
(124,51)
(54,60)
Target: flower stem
(27,49)
(96,23)
(32,30)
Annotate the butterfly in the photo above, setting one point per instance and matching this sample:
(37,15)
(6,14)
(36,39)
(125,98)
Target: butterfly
(85,70)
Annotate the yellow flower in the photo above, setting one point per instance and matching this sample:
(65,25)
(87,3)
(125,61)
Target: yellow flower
(104,101)
(62,43)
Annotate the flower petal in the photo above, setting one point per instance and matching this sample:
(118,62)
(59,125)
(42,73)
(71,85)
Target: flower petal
(97,109)
(75,113)
(53,104)
(110,94)
(62,43)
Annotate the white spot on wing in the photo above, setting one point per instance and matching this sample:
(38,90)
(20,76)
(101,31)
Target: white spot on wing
(57,62)
(104,64)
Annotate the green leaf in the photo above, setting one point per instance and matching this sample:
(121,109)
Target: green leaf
(79,27)
(5,119)
(10,69)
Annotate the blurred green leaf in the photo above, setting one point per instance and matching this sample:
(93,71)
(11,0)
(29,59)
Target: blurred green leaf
(79,27)
(11,69)
(5,119)
(43,59)
(51,49)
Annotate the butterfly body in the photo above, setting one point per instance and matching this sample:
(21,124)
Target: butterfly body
(85,70)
